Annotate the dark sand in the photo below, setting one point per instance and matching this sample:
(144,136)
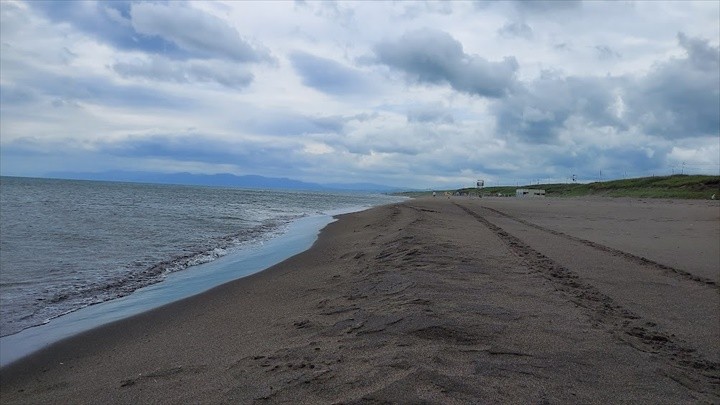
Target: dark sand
(447,301)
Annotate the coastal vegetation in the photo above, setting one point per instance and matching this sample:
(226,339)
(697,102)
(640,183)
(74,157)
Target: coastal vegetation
(675,186)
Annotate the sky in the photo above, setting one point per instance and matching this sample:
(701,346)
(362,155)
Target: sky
(407,94)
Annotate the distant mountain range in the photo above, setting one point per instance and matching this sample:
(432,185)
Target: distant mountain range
(221,180)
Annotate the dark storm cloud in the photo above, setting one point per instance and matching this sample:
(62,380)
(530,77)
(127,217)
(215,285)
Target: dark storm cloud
(328,76)
(679,98)
(435,57)
(161,69)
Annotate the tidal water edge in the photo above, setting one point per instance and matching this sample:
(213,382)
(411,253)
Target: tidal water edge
(76,254)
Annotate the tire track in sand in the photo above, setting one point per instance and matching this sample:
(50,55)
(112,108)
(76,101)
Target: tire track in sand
(668,270)
(683,364)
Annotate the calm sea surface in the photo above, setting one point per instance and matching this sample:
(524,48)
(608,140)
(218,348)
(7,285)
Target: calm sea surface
(68,244)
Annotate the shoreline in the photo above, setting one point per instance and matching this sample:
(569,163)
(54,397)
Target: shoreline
(300,236)
(429,299)
(119,238)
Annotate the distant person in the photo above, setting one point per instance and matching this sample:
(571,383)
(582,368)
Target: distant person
(434,194)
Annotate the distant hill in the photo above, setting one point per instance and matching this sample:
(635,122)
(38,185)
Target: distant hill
(220,180)
(677,186)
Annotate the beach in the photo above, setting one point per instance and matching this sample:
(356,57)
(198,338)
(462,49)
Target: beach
(442,300)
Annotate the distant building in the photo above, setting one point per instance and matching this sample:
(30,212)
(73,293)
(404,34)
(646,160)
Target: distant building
(529,192)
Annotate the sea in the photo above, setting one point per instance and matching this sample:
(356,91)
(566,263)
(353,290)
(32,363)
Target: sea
(67,245)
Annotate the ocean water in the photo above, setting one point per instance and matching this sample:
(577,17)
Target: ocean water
(66,245)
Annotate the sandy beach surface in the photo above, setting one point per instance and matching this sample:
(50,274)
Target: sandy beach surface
(460,300)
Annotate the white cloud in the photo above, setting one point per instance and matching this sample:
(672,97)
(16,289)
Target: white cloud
(401,93)
(158,68)
(195,31)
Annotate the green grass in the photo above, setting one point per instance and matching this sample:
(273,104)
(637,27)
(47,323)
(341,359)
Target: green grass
(677,186)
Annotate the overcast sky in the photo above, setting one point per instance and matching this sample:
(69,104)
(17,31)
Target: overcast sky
(414,94)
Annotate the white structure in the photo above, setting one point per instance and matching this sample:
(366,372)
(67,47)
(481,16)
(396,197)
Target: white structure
(529,192)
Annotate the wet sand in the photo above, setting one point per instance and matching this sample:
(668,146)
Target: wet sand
(441,300)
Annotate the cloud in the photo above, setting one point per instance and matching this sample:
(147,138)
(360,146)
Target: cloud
(336,12)
(289,123)
(695,154)
(195,31)
(417,9)
(516,29)
(13,95)
(98,85)
(435,113)
(327,75)
(538,112)
(244,155)
(97,90)
(385,134)
(679,98)
(172,29)
(605,52)
(435,57)
(93,90)
(547,6)
(156,68)
(588,161)
(109,22)
(700,53)
(195,147)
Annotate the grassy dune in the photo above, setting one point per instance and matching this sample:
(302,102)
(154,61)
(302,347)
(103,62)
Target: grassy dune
(677,186)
